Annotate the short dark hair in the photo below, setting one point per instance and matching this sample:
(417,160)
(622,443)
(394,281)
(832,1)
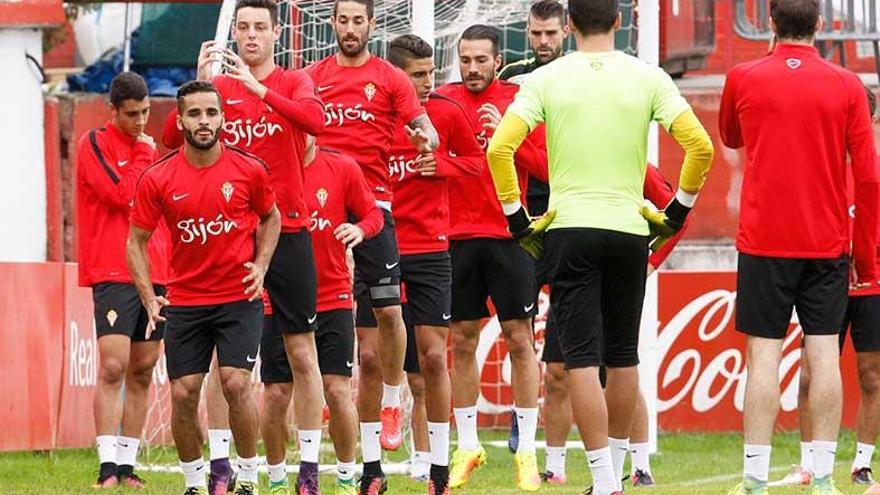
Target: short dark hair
(545,9)
(408,47)
(481,32)
(193,87)
(872,100)
(270,5)
(127,86)
(369,4)
(795,19)
(593,16)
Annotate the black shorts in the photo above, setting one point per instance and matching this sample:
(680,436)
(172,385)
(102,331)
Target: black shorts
(863,322)
(334,341)
(543,273)
(411,359)
(552,352)
(293,284)
(596,294)
(377,267)
(769,288)
(496,268)
(192,333)
(119,311)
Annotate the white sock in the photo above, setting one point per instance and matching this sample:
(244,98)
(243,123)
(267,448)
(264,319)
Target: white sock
(106,448)
(247,469)
(218,443)
(756,461)
(420,466)
(619,447)
(527,420)
(345,470)
(555,460)
(640,456)
(126,450)
(194,472)
(864,452)
(277,472)
(390,395)
(370,448)
(823,458)
(309,445)
(466,426)
(438,437)
(602,469)
(807,456)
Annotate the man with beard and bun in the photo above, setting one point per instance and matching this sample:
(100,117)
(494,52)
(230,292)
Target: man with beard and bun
(269,111)
(224,229)
(365,100)
(487,262)
(423,233)
(110,160)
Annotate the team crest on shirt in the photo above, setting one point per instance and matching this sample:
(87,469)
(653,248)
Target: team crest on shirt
(793,63)
(596,65)
(322,196)
(370,91)
(227,190)
(111,317)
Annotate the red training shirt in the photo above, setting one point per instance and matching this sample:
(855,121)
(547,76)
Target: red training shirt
(109,163)
(798,116)
(335,192)
(362,108)
(660,192)
(474,207)
(274,129)
(213,213)
(853,213)
(421,204)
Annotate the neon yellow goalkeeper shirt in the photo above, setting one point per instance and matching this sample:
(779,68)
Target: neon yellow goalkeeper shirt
(598,107)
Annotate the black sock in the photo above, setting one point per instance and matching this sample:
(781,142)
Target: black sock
(108,469)
(306,468)
(373,469)
(221,467)
(439,474)
(124,470)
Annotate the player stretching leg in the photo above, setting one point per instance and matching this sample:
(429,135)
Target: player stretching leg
(423,233)
(212,303)
(598,247)
(487,262)
(781,269)
(365,100)
(110,161)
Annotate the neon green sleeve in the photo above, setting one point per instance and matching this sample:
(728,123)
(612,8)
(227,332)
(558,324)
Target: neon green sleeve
(509,135)
(690,135)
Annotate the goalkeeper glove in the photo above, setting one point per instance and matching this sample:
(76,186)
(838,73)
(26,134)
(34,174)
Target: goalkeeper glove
(529,232)
(666,223)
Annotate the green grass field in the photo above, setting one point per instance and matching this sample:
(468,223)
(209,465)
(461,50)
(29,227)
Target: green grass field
(687,464)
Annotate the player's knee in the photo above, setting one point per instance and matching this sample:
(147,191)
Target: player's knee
(277,393)
(416,385)
(185,395)
(804,384)
(368,359)
(520,346)
(433,361)
(554,379)
(140,376)
(112,371)
(236,386)
(337,393)
(869,381)
(302,359)
(388,316)
(464,345)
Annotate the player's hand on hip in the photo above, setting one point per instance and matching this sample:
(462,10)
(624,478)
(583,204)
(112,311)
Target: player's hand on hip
(238,70)
(349,234)
(426,164)
(254,280)
(207,56)
(418,138)
(154,312)
(490,116)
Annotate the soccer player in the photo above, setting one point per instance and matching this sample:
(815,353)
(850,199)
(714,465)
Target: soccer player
(798,116)
(423,235)
(109,161)
(225,227)
(335,192)
(486,262)
(269,111)
(598,104)
(861,322)
(365,100)
(557,408)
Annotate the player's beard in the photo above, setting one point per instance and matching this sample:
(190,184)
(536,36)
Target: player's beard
(201,145)
(546,59)
(482,82)
(358,49)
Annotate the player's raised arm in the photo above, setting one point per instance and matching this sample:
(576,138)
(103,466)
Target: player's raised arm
(302,107)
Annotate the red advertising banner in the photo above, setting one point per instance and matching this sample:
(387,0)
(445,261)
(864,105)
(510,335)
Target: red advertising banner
(701,376)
